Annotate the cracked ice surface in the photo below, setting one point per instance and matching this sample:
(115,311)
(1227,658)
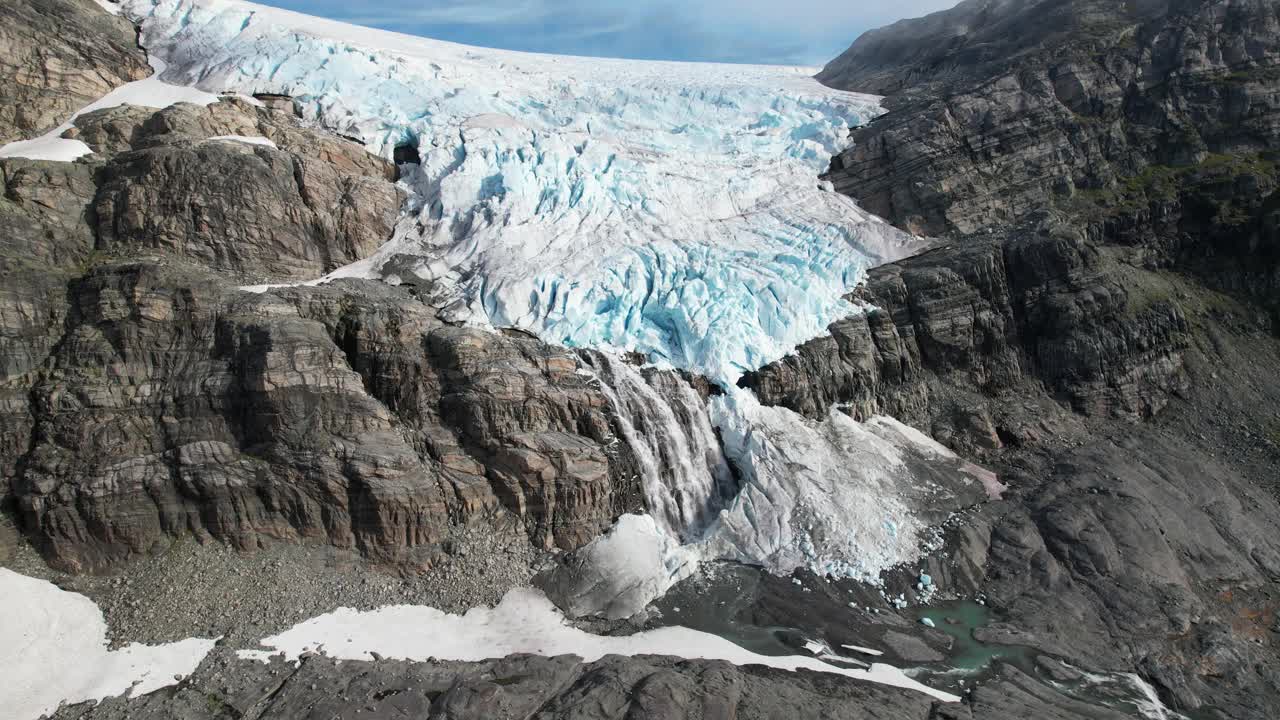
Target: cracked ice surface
(666,208)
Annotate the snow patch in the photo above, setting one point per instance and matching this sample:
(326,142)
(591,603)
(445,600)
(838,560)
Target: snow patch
(864,651)
(525,622)
(55,652)
(149,92)
(251,140)
(46,147)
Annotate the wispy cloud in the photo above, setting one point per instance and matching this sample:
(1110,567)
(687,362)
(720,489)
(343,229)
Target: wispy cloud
(768,31)
(469,13)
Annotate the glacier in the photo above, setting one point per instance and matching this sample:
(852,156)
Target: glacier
(841,498)
(669,209)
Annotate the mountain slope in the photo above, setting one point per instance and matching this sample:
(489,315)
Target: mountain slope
(327,432)
(992,132)
(1098,324)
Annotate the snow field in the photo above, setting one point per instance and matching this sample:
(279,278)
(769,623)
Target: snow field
(55,651)
(525,622)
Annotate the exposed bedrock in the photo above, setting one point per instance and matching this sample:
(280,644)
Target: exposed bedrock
(295,211)
(1097,324)
(173,404)
(56,56)
(982,317)
(1003,109)
(1131,412)
(144,396)
(519,686)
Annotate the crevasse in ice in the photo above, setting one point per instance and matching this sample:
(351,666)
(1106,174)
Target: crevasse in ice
(671,209)
(666,208)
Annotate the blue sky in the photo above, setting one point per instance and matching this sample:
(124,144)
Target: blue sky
(806,32)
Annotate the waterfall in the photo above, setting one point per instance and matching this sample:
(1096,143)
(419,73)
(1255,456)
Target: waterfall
(664,422)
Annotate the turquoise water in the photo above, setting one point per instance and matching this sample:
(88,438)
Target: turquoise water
(959,619)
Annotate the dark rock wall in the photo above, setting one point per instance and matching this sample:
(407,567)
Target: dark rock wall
(986,133)
(262,213)
(174,404)
(955,327)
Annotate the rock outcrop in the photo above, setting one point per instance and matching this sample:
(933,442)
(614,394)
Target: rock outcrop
(293,211)
(174,404)
(1096,324)
(955,329)
(1001,110)
(522,686)
(144,396)
(57,56)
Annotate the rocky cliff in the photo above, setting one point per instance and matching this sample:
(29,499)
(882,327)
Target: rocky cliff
(146,397)
(1004,110)
(1097,322)
(58,56)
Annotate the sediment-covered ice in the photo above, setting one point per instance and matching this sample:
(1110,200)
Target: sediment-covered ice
(832,496)
(666,208)
(526,622)
(55,651)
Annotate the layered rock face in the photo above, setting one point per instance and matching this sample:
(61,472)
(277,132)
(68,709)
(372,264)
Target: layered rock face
(295,211)
(173,404)
(145,396)
(56,56)
(1001,110)
(984,317)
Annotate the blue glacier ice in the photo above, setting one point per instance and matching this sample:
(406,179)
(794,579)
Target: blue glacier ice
(671,209)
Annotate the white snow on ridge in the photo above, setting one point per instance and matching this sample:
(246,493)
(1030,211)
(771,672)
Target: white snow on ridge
(247,139)
(148,92)
(666,208)
(525,622)
(55,651)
